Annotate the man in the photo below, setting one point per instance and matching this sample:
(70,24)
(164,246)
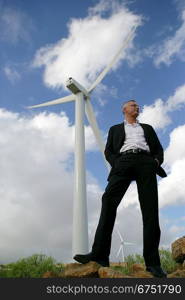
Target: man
(134,153)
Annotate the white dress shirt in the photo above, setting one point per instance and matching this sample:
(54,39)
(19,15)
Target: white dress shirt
(134,137)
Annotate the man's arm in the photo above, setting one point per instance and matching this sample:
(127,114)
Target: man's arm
(109,149)
(158,150)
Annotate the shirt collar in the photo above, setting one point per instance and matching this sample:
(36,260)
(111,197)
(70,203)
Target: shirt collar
(134,124)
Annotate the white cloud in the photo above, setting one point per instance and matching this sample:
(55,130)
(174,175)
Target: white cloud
(36,187)
(155,114)
(101,6)
(158,114)
(172,188)
(177,100)
(11,74)
(173,46)
(176,149)
(15,25)
(91,44)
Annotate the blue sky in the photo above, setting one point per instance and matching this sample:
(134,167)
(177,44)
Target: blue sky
(44,42)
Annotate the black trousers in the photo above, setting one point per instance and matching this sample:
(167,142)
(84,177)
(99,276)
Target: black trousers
(142,169)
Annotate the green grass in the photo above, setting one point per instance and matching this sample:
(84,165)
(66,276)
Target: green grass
(167,262)
(129,260)
(36,265)
(31,267)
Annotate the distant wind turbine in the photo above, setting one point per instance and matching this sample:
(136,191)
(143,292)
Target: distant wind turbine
(121,251)
(82,106)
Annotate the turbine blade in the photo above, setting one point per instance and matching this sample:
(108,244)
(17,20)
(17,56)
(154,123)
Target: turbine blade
(109,66)
(126,243)
(54,102)
(93,123)
(120,235)
(119,251)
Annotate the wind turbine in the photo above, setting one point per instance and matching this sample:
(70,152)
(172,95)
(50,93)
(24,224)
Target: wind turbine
(120,251)
(82,106)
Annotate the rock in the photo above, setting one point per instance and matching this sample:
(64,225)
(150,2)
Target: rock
(71,266)
(79,270)
(139,271)
(178,266)
(177,274)
(105,272)
(118,264)
(141,274)
(49,274)
(178,250)
(137,267)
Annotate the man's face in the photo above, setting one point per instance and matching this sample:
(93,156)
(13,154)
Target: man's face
(131,109)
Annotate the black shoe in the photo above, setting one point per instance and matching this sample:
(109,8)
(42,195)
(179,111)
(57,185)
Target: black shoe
(156,271)
(85,258)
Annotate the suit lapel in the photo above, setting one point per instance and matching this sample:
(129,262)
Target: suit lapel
(121,135)
(145,133)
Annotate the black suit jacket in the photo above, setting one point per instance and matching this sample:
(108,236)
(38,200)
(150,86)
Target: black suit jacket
(116,138)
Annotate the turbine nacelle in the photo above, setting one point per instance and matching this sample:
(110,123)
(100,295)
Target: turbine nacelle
(75,87)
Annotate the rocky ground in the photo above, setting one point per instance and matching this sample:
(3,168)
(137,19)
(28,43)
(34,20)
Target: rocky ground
(92,269)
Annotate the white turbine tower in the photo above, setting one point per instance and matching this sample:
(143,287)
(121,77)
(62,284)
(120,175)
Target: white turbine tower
(121,251)
(82,106)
